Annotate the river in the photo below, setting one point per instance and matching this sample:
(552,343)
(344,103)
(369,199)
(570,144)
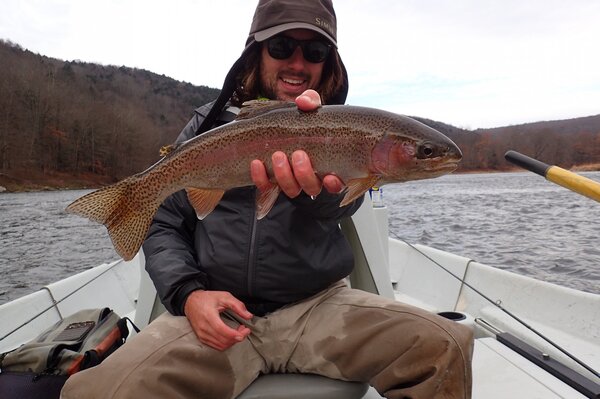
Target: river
(514,221)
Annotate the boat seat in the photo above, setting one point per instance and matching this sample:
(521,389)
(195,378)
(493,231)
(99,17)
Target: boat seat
(302,386)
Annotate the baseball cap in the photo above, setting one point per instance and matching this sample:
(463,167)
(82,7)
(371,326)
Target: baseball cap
(275,16)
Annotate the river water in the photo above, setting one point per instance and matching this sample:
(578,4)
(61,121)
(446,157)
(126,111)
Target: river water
(513,221)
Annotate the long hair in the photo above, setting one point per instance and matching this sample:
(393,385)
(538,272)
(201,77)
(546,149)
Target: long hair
(248,80)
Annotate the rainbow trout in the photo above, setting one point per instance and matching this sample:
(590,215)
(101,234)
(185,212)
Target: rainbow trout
(365,147)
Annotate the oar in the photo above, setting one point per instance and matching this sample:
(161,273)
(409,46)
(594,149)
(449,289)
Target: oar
(572,181)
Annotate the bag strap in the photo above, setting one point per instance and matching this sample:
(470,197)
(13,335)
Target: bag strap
(124,321)
(112,342)
(229,86)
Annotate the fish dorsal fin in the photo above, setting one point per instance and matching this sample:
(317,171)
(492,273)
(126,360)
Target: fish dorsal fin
(204,200)
(254,108)
(357,187)
(265,199)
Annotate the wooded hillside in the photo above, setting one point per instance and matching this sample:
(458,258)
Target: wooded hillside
(79,118)
(571,143)
(71,123)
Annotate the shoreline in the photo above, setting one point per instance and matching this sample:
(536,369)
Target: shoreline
(16,183)
(63,181)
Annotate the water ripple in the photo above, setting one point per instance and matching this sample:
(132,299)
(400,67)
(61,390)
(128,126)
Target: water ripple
(517,222)
(41,243)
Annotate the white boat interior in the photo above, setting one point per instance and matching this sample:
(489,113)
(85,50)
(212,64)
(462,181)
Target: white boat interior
(510,360)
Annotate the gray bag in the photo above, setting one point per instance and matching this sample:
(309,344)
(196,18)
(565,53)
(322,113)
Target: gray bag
(75,343)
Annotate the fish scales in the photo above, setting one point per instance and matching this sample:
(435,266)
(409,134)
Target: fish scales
(362,146)
(329,140)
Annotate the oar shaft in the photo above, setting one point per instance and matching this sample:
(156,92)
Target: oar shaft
(572,181)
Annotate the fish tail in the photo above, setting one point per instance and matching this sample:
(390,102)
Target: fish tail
(126,219)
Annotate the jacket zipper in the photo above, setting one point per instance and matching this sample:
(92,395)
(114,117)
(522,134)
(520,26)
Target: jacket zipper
(251,255)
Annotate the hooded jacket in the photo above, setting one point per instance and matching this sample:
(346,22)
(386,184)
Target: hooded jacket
(294,252)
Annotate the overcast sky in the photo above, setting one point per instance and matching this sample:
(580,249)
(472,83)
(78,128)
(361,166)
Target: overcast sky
(470,63)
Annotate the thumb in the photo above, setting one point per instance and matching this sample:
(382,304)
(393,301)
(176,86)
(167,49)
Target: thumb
(308,101)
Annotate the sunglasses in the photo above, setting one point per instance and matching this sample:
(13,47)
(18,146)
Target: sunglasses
(282,47)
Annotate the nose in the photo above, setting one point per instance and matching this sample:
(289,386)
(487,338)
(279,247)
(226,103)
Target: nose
(296,60)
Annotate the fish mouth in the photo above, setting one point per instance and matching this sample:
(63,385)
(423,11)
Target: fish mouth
(441,168)
(444,165)
(451,163)
(424,169)
(448,162)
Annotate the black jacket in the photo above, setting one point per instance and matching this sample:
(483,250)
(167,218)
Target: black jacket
(294,252)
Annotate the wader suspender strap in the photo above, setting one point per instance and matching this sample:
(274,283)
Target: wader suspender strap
(226,92)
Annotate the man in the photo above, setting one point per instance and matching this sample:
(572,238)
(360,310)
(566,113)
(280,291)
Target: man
(247,297)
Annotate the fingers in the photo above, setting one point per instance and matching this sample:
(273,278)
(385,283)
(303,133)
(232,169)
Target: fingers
(305,174)
(203,310)
(308,101)
(284,175)
(295,176)
(259,175)
(240,309)
(298,175)
(333,184)
(220,335)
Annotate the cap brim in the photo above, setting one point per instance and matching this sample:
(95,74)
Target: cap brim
(274,30)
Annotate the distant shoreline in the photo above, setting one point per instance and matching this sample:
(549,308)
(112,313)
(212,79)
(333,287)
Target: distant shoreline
(51,182)
(58,181)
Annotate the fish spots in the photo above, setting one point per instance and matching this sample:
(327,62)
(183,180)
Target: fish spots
(354,143)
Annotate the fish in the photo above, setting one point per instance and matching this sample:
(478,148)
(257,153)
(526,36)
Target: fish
(364,147)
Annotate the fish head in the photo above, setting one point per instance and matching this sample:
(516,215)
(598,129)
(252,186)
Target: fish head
(411,150)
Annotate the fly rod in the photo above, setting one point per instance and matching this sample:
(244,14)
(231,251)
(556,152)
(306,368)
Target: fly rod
(562,177)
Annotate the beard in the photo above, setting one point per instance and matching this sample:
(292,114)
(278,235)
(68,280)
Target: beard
(271,85)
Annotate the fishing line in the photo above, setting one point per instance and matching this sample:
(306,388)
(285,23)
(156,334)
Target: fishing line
(499,306)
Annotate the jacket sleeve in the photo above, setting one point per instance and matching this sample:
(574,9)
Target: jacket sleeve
(170,254)
(169,245)
(326,205)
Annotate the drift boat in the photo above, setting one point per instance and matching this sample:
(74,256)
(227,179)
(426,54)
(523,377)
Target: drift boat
(533,339)
(510,360)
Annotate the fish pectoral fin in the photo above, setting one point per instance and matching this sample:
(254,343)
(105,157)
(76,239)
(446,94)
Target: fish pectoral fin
(253,108)
(204,200)
(265,199)
(357,187)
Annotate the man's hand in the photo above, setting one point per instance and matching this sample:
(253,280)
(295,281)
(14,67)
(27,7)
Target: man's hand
(298,175)
(203,309)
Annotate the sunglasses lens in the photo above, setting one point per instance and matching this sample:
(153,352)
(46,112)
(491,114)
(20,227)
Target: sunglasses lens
(315,51)
(282,47)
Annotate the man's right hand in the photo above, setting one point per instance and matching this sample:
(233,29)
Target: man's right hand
(296,175)
(203,309)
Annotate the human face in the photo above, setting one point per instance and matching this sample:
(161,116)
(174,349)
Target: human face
(286,79)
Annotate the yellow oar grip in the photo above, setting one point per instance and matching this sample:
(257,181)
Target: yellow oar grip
(574,182)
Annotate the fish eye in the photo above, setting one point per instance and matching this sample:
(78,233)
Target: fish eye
(426,150)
